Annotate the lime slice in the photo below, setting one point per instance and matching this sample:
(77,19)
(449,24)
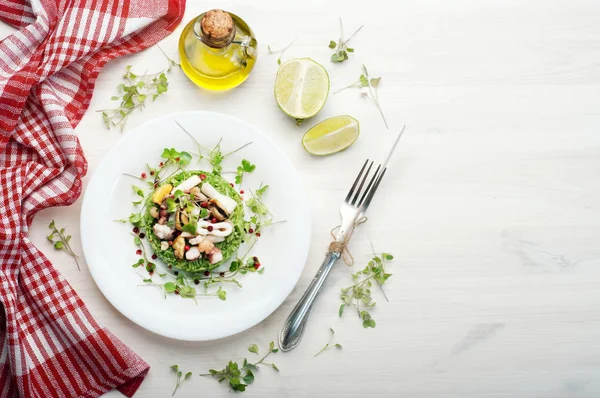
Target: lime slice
(331,135)
(301,88)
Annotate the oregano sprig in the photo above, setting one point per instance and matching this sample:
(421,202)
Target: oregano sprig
(180,377)
(359,294)
(134,92)
(371,83)
(62,242)
(329,345)
(240,376)
(340,48)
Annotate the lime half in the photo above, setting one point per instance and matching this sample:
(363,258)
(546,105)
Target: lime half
(331,135)
(301,88)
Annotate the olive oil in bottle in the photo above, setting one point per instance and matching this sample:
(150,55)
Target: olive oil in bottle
(217,50)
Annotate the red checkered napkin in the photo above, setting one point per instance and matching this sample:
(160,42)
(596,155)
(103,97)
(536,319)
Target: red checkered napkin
(50,346)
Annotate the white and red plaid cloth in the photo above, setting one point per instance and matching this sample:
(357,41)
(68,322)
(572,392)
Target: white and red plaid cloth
(50,346)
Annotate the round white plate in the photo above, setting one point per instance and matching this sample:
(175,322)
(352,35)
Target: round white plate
(110,252)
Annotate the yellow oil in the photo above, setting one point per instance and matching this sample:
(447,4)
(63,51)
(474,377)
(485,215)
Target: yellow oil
(218,68)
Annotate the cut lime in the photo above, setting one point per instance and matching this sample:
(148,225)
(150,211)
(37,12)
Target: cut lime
(301,88)
(331,135)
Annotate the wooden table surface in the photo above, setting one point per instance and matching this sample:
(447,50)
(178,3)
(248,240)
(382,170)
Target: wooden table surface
(491,205)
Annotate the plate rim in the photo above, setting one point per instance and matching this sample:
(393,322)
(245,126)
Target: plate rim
(94,271)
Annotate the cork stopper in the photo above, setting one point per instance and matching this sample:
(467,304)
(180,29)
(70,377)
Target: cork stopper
(217,28)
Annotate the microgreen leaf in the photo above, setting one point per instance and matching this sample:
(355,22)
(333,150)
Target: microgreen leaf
(171,205)
(340,48)
(329,345)
(179,374)
(241,376)
(246,167)
(184,158)
(190,227)
(371,84)
(62,241)
(360,294)
(134,93)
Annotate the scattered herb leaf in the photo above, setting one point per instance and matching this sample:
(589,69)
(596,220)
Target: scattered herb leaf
(340,48)
(371,84)
(180,377)
(134,92)
(246,167)
(62,241)
(359,294)
(240,376)
(329,345)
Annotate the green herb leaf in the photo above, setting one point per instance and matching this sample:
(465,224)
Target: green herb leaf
(249,377)
(375,81)
(169,287)
(58,245)
(341,311)
(135,219)
(340,47)
(178,194)
(253,348)
(190,227)
(261,191)
(184,158)
(364,82)
(171,205)
(370,323)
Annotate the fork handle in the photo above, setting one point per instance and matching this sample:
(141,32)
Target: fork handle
(293,328)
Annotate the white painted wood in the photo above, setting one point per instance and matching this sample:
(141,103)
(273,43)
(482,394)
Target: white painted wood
(496,192)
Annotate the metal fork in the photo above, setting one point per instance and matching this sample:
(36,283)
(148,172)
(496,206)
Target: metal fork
(354,206)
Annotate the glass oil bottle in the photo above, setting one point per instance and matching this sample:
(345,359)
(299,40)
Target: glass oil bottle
(217,50)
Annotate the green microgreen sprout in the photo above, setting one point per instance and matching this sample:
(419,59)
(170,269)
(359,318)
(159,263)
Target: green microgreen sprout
(360,293)
(245,167)
(329,345)
(371,83)
(62,242)
(340,48)
(280,52)
(261,217)
(134,92)
(180,377)
(240,376)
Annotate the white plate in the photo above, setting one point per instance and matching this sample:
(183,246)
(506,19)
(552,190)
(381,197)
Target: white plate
(110,252)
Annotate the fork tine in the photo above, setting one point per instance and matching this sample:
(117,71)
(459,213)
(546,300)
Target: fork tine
(369,186)
(356,181)
(372,192)
(361,184)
